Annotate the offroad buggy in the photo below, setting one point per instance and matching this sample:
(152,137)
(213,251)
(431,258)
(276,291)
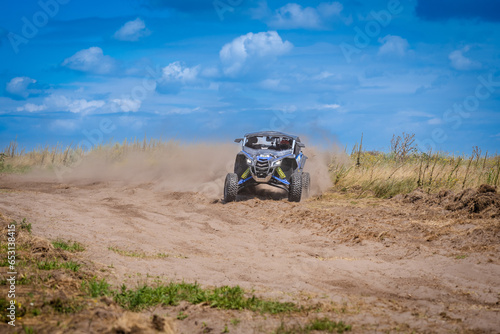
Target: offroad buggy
(272,158)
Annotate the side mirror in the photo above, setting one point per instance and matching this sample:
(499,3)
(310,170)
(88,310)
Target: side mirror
(237,140)
(301,145)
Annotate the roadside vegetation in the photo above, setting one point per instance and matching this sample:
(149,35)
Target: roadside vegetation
(16,160)
(405,169)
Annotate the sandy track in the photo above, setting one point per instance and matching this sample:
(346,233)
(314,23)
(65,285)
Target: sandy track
(389,265)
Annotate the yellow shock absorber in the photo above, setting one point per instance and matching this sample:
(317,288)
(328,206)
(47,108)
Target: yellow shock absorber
(245,173)
(280,173)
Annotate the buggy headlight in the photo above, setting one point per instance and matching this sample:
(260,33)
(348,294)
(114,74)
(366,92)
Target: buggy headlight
(277,163)
(249,162)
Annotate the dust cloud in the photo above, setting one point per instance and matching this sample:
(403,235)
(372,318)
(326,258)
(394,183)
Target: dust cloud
(174,167)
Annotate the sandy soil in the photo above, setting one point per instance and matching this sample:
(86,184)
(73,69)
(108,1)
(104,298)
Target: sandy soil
(381,265)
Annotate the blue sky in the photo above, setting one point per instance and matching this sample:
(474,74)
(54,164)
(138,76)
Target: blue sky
(83,71)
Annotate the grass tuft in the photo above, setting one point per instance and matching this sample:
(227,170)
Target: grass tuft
(25,225)
(69,246)
(224,297)
(54,264)
(95,288)
(323,324)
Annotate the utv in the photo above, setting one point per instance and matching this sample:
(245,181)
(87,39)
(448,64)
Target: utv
(272,158)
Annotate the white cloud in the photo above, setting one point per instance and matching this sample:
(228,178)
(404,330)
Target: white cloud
(19,86)
(393,45)
(175,75)
(90,60)
(30,107)
(128,105)
(330,106)
(461,62)
(294,16)
(132,31)
(177,72)
(82,105)
(263,45)
(77,104)
(63,103)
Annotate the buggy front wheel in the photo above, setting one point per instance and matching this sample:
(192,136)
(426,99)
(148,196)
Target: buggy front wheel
(230,187)
(295,190)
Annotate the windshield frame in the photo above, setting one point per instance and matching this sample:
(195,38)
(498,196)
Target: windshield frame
(270,143)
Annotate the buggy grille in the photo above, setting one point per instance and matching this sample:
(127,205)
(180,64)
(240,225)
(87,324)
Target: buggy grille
(261,168)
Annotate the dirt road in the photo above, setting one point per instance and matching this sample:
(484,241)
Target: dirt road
(382,264)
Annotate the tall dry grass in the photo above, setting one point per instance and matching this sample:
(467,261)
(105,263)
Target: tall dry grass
(386,175)
(13,160)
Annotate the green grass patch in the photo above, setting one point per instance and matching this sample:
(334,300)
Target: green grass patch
(70,246)
(322,324)
(54,264)
(25,225)
(224,297)
(95,288)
